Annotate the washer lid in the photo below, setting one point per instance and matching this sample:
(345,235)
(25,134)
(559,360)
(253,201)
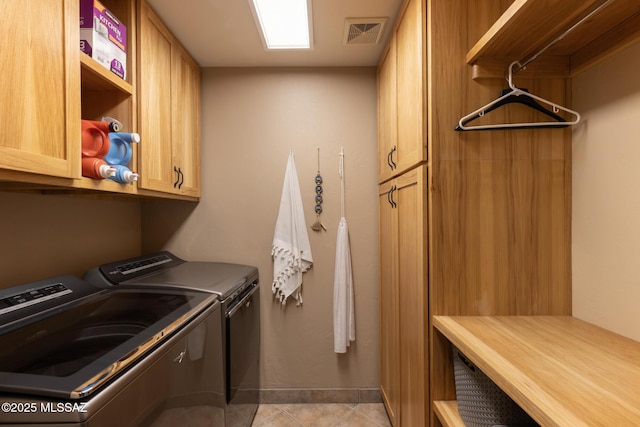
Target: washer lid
(71,351)
(217,277)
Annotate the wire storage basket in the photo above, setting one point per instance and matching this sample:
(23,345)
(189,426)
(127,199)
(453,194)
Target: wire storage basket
(481,403)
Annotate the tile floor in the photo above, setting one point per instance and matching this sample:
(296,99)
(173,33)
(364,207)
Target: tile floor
(321,415)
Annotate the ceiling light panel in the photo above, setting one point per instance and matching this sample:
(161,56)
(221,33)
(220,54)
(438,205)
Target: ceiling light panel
(284,24)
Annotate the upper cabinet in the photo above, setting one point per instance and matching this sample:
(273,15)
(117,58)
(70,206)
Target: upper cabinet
(387,113)
(169,110)
(186,122)
(598,28)
(40,103)
(401,92)
(49,86)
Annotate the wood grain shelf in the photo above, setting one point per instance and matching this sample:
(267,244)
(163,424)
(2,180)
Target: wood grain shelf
(96,77)
(447,413)
(105,185)
(527,26)
(561,370)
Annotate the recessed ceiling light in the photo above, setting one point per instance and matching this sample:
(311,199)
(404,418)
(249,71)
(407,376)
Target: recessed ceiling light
(285,24)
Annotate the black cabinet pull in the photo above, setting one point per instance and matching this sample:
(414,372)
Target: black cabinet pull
(177,177)
(181,178)
(390,196)
(393,164)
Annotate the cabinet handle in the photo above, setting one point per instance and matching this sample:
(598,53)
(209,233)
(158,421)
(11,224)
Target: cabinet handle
(393,164)
(175,169)
(180,357)
(181,177)
(389,160)
(390,196)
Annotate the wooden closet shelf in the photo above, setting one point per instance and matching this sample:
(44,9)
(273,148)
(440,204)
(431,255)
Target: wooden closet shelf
(447,413)
(561,370)
(527,26)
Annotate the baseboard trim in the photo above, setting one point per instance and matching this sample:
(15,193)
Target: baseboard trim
(291,395)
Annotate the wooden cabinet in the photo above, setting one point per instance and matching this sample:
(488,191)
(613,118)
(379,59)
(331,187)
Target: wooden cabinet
(40,105)
(499,201)
(186,122)
(169,116)
(401,88)
(404,298)
(40,141)
(387,113)
(411,99)
(389,303)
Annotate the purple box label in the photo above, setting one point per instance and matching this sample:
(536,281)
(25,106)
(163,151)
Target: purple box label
(117,68)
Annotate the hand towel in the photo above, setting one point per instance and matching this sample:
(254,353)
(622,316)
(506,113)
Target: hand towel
(344,329)
(291,250)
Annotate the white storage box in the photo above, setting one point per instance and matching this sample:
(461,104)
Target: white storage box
(103,37)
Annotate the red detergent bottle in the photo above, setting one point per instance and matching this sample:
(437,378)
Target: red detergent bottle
(95,137)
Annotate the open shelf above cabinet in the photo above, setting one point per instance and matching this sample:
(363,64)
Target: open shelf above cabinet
(96,77)
(528,26)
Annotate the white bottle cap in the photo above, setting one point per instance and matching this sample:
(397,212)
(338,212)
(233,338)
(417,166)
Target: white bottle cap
(130,176)
(107,171)
(135,137)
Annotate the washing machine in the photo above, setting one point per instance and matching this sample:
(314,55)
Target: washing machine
(237,288)
(73,354)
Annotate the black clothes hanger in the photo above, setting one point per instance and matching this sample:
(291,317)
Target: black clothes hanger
(521,96)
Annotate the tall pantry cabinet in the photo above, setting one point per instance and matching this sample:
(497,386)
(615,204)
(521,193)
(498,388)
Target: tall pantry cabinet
(403,296)
(493,236)
(403,226)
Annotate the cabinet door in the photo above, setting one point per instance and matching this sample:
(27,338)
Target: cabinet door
(387,113)
(389,316)
(411,229)
(411,97)
(186,122)
(155,103)
(40,106)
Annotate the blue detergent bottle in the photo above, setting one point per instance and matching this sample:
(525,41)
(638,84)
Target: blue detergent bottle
(120,150)
(119,155)
(123,175)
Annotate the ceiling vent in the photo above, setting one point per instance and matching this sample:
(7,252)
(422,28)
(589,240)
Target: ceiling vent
(363,31)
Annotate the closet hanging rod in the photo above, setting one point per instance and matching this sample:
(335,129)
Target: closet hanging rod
(523,64)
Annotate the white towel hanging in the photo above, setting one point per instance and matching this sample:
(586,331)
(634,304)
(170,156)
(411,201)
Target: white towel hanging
(291,250)
(344,331)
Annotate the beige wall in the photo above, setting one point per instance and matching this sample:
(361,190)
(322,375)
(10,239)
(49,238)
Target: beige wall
(49,235)
(606,195)
(251,119)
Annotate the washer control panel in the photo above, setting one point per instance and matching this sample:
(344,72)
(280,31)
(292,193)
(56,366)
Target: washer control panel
(33,296)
